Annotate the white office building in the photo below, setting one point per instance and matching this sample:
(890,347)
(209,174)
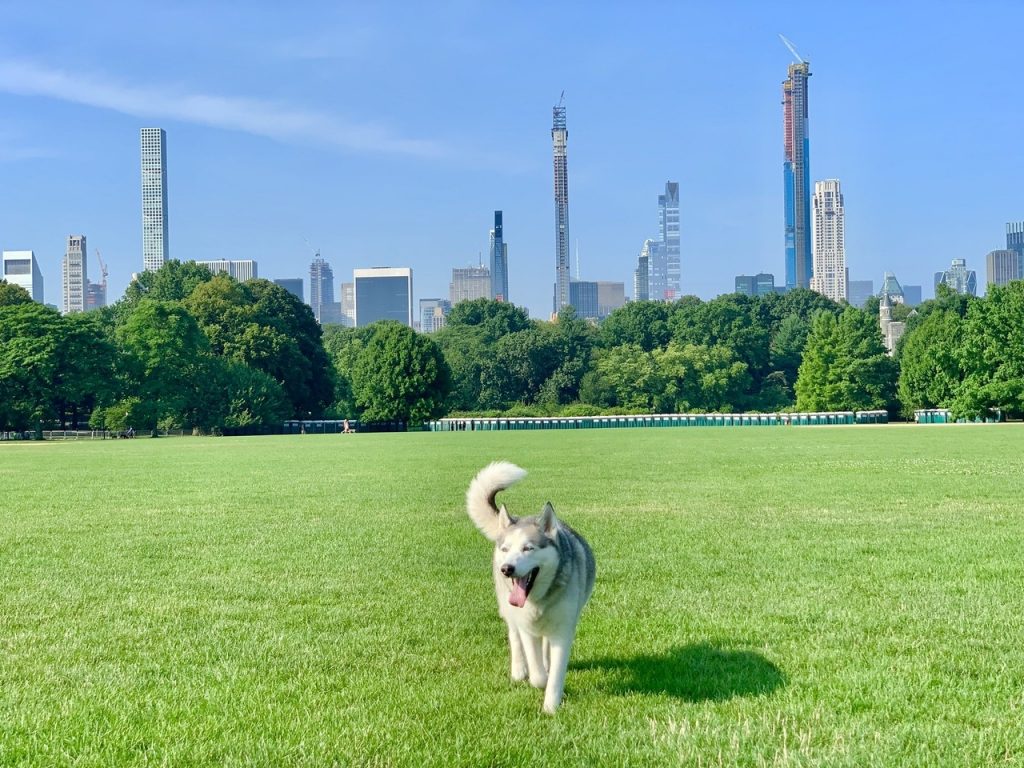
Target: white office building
(828,239)
(21,268)
(154,198)
(1003,266)
(74,275)
(243,270)
(468,284)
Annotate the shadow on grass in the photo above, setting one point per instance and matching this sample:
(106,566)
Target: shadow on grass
(699,672)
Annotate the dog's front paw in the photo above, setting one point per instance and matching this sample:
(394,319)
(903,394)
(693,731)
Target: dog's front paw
(550,707)
(539,680)
(519,672)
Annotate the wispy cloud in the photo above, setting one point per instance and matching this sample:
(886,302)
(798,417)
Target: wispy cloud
(15,148)
(259,117)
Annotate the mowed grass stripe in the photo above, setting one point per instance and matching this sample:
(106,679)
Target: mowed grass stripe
(800,596)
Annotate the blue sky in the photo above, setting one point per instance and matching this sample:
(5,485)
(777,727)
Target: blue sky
(387,134)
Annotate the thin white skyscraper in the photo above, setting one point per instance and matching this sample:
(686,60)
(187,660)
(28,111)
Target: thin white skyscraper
(154,198)
(828,236)
(559,142)
(74,275)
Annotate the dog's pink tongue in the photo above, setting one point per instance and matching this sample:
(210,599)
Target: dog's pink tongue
(518,595)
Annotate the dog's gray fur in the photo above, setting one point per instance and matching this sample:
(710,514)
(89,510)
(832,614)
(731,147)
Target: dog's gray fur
(541,611)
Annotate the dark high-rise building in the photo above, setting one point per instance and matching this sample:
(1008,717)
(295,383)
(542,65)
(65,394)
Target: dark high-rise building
(559,142)
(583,297)
(760,284)
(912,295)
(293,285)
(383,293)
(499,261)
(321,288)
(859,291)
(797,176)
(610,296)
(642,274)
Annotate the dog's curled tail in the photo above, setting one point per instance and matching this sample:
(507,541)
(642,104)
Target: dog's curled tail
(480,505)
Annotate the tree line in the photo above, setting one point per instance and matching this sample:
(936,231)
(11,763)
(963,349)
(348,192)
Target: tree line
(186,349)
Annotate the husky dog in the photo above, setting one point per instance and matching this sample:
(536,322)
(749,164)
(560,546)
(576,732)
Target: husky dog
(543,575)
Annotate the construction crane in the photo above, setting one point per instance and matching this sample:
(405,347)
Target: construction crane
(792,49)
(314,251)
(103,270)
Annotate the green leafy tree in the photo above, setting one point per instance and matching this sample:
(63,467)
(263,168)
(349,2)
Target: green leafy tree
(311,387)
(400,375)
(575,340)
(786,352)
(930,362)
(53,369)
(253,397)
(344,346)
(11,294)
(802,302)
(164,363)
(633,374)
(270,330)
(468,354)
(174,281)
(845,365)
(730,322)
(521,363)
(31,336)
(697,378)
(494,318)
(641,323)
(84,373)
(992,354)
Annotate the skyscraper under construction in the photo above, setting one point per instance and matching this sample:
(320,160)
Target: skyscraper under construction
(559,140)
(797,175)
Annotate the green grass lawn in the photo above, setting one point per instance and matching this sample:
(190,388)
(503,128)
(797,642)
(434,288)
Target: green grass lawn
(845,596)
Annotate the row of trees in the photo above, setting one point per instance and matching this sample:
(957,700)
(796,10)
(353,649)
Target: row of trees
(966,353)
(186,349)
(182,349)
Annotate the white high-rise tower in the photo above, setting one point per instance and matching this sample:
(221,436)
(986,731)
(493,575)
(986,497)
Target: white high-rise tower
(154,198)
(559,142)
(828,227)
(74,275)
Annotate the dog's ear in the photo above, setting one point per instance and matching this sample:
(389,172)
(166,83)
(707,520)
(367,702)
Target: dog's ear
(505,520)
(547,519)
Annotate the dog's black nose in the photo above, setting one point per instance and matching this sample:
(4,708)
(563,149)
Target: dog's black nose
(507,570)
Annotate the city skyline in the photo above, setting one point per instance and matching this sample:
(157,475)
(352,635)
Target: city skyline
(257,154)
